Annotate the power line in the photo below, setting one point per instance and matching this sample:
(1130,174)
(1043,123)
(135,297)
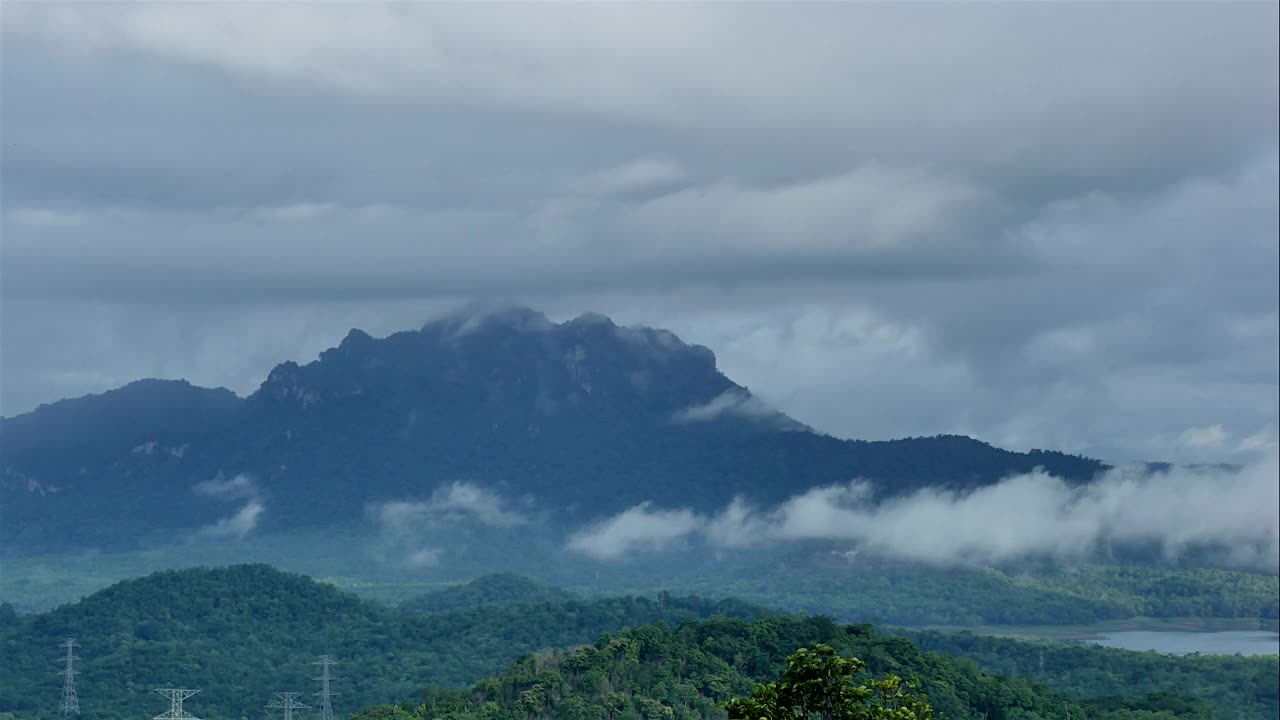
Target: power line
(287,701)
(176,696)
(326,706)
(70,700)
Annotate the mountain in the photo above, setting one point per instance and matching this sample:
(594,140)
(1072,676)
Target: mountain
(582,418)
(243,632)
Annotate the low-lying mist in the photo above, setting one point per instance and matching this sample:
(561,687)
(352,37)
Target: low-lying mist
(1228,516)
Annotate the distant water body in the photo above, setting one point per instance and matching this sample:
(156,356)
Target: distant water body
(1244,642)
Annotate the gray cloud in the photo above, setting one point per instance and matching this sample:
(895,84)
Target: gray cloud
(845,70)
(647,174)
(1056,228)
(1024,516)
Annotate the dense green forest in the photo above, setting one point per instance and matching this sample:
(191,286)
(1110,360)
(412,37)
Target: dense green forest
(881,591)
(659,672)
(800,579)
(497,589)
(246,631)
(243,632)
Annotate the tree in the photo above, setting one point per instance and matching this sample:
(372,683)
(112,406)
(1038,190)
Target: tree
(383,712)
(818,685)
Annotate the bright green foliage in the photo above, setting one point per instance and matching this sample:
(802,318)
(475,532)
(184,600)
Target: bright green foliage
(819,685)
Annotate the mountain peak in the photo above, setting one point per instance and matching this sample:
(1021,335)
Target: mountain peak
(499,364)
(589,319)
(475,316)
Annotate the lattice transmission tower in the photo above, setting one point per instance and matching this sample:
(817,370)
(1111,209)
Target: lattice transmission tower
(287,701)
(325,694)
(175,711)
(70,700)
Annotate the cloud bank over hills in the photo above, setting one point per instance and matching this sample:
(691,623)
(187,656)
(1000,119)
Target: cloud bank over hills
(1232,512)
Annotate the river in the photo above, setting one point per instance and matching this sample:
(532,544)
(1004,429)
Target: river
(1244,642)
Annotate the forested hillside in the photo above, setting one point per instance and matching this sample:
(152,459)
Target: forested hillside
(1235,686)
(865,589)
(687,673)
(497,589)
(243,632)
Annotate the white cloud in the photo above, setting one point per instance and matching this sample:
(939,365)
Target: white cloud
(237,526)
(1262,441)
(730,402)
(1032,515)
(476,315)
(1199,438)
(640,527)
(238,487)
(423,558)
(458,500)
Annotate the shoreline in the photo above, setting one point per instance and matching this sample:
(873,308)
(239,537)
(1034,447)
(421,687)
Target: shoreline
(1095,631)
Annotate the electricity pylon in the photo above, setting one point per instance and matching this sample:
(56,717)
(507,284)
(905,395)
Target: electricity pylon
(326,706)
(70,700)
(175,711)
(287,701)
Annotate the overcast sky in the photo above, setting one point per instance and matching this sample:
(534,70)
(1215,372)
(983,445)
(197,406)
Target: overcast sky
(1041,225)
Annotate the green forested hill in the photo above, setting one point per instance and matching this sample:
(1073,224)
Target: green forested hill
(496,589)
(899,593)
(242,632)
(663,673)
(1236,686)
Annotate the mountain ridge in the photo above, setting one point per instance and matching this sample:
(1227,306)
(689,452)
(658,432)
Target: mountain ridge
(584,416)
